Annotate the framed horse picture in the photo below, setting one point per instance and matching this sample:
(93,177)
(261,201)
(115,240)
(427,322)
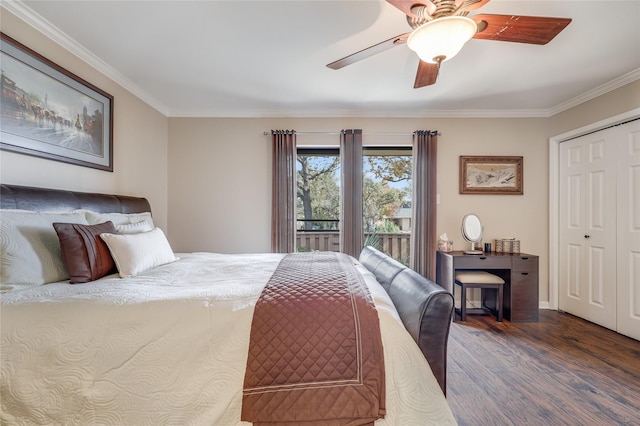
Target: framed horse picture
(49,112)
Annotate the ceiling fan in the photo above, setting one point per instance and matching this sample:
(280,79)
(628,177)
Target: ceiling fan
(442,27)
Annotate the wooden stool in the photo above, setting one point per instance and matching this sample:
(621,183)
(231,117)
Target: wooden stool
(482,280)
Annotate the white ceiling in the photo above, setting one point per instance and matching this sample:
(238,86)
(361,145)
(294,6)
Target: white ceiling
(268,58)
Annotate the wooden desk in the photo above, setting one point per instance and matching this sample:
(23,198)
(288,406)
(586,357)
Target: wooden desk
(519,271)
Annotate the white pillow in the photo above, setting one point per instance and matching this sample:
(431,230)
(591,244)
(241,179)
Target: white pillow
(95,218)
(29,246)
(134,228)
(135,253)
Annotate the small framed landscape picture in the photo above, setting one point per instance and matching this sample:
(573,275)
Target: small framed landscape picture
(491,175)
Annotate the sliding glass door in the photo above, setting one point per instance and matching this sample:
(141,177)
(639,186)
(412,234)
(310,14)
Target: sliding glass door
(386,198)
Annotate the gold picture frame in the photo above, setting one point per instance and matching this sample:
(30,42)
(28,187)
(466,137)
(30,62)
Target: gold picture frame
(496,175)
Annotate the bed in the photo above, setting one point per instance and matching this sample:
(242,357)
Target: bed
(173,341)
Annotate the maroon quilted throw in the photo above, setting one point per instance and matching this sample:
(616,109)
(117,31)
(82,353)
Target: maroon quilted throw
(315,354)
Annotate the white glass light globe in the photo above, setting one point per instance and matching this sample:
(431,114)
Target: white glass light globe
(441,39)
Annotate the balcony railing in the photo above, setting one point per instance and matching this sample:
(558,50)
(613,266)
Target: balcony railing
(395,244)
(318,225)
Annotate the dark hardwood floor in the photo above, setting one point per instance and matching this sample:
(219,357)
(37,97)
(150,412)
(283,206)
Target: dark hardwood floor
(562,370)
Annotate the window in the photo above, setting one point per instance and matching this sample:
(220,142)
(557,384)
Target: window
(386,200)
(318,200)
(386,194)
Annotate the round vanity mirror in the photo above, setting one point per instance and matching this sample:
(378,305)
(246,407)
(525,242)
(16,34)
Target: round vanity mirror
(472,231)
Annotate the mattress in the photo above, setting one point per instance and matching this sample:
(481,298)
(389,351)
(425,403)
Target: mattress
(168,346)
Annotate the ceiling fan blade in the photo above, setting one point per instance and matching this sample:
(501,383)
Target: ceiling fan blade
(369,51)
(520,29)
(427,74)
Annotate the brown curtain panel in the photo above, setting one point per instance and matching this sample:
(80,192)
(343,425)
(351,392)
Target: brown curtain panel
(283,200)
(423,235)
(351,240)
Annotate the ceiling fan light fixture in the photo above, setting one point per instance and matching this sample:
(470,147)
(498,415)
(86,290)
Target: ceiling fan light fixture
(441,39)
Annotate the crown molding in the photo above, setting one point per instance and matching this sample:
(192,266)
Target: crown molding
(39,23)
(361,114)
(623,80)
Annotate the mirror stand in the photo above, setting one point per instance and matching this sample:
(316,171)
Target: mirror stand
(474,250)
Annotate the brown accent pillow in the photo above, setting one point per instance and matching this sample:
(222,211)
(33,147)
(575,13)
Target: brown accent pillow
(84,253)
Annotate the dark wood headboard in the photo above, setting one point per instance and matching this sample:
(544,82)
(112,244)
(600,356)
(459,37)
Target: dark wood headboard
(45,199)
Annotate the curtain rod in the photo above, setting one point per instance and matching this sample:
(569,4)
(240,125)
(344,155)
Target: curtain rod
(266,133)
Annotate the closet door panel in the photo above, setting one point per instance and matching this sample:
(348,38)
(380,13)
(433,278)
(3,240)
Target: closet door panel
(572,222)
(628,315)
(588,228)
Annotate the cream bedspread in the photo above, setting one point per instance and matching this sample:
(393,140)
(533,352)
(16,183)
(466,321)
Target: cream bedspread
(167,347)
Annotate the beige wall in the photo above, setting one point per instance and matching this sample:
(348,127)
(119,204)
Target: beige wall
(140,138)
(227,163)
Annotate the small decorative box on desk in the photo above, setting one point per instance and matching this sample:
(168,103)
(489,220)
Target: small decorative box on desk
(507,245)
(518,270)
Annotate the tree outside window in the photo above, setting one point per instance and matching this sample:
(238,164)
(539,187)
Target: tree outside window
(386,199)
(318,190)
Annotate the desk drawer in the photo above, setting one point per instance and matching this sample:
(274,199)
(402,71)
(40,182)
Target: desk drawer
(523,296)
(525,264)
(482,262)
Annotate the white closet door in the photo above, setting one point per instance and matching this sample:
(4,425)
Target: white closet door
(587,264)
(629,229)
